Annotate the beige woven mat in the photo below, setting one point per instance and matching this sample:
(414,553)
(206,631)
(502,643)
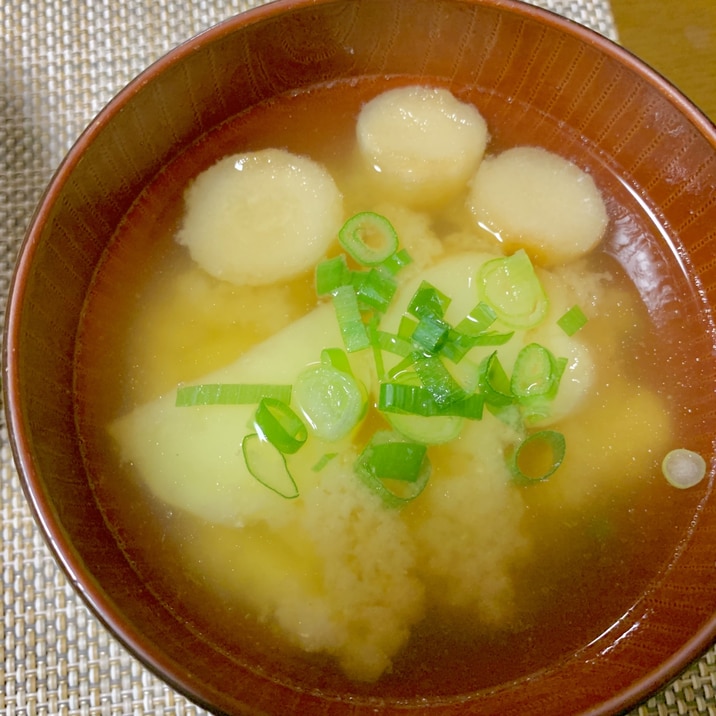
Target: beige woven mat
(60,62)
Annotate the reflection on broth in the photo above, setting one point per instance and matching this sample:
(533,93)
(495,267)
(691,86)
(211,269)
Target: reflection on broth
(481,578)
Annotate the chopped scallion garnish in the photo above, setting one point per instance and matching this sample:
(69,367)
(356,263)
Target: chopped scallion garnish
(512,289)
(458,344)
(572,320)
(395,262)
(337,358)
(229,394)
(477,321)
(396,397)
(395,469)
(350,322)
(393,343)
(276,422)
(331,274)
(331,400)
(536,373)
(407,326)
(324,460)
(430,334)
(374,290)
(397,460)
(437,379)
(434,430)
(683,468)
(406,364)
(268,465)
(494,382)
(538,456)
(376,347)
(428,301)
(369,238)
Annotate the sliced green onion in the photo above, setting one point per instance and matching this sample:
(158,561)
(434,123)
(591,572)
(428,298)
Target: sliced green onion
(405,398)
(395,262)
(374,289)
(436,430)
(536,372)
(471,332)
(494,383)
(369,238)
(512,289)
(572,320)
(376,347)
(331,274)
(393,343)
(406,364)
(458,345)
(337,358)
(683,468)
(407,326)
(276,422)
(350,322)
(437,379)
(413,412)
(538,456)
(396,470)
(268,465)
(428,301)
(397,460)
(229,394)
(331,401)
(324,460)
(490,338)
(477,321)
(430,334)
(469,407)
(467,374)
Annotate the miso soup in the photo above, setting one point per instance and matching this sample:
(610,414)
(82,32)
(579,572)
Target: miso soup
(484,573)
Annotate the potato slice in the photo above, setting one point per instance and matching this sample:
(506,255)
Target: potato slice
(191,457)
(533,199)
(422,143)
(261,217)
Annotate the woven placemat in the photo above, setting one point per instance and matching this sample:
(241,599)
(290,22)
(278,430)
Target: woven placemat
(60,64)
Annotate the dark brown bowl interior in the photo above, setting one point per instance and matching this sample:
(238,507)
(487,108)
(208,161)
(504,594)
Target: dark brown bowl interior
(641,128)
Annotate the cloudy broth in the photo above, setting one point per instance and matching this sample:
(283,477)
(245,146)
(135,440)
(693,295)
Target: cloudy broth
(589,561)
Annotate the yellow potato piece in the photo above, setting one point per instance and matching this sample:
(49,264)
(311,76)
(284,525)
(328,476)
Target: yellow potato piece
(191,457)
(261,217)
(422,143)
(533,199)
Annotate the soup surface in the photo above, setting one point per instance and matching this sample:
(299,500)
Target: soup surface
(491,579)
